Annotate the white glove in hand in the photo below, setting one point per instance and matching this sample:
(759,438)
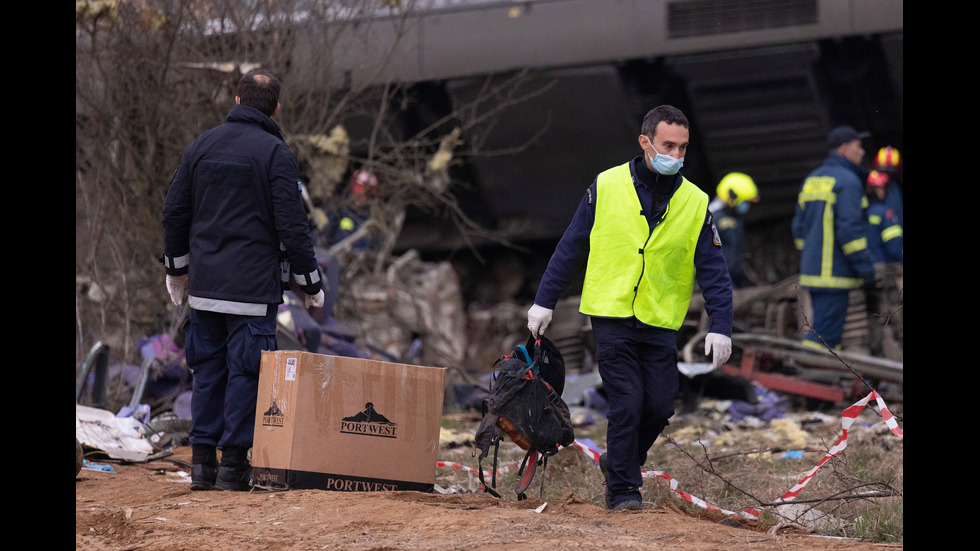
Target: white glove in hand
(538,319)
(316,301)
(177,287)
(719,347)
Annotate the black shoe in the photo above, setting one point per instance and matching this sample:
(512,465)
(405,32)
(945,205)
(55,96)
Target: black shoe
(203,476)
(630,504)
(234,478)
(204,466)
(604,467)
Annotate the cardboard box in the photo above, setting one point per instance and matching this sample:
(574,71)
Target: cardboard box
(337,423)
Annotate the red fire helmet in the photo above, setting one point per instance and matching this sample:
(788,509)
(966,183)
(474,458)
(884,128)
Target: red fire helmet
(364,181)
(876,178)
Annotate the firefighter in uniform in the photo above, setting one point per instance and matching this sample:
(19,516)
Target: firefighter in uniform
(886,244)
(735,194)
(830,232)
(356,210)
(888,161)
(885,239)
(644,235)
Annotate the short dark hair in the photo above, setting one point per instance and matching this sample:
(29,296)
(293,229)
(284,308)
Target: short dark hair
(259,89)
(662,113)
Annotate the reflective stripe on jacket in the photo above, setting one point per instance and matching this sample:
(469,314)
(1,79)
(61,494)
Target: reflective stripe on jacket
(634,270)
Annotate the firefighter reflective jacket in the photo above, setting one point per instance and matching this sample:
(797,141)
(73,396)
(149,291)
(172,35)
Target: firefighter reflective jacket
(885,241)
(829,227)
(634,270)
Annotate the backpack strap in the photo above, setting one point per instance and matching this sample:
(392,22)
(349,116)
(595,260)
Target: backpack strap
(492,488)
(526,472)
(495,439)
(525,356)
(544,466)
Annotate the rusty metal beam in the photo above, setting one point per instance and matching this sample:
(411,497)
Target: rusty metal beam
(802,355)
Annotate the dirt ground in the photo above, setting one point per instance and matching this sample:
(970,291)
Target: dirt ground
(150,507)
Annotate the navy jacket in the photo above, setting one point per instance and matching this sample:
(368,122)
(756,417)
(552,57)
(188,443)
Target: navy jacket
(885,240)
(232,201)
(654,191)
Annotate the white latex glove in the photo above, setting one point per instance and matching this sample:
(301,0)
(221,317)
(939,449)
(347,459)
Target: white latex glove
(538,319)
(177,287)
(316,301)
(719,347)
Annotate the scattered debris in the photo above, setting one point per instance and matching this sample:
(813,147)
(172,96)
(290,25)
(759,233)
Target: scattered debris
(118,437)
(407,310)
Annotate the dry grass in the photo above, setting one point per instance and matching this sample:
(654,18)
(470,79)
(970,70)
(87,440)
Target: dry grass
(736,467)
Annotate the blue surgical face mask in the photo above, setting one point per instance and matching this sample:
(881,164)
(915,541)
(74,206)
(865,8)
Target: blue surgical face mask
(742,207)
(665,164)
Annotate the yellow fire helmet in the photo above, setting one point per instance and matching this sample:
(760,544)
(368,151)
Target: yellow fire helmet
(888,158)
(736,188)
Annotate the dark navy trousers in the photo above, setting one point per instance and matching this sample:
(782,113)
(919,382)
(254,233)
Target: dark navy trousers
(829,315)
(638,366)
(224,352)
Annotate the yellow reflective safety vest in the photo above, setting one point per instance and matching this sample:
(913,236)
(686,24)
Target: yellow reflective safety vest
(633,271)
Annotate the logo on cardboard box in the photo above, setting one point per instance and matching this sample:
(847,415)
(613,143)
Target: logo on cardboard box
(369,423)
(268,477)
(273,417)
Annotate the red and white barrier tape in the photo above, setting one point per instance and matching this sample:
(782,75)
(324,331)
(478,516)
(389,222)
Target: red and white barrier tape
(500,469)
(849,415)
(847,419)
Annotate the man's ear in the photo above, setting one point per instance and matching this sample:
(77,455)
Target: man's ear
(238,100)
(640,139)
(276,112)
(644,141)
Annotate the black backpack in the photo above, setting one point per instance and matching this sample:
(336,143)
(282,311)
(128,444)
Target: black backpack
(525,403)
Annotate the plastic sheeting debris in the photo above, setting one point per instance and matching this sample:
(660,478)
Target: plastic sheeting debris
(689,369)
(119,437)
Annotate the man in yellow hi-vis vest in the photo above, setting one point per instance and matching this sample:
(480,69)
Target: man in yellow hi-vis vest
(644,235)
